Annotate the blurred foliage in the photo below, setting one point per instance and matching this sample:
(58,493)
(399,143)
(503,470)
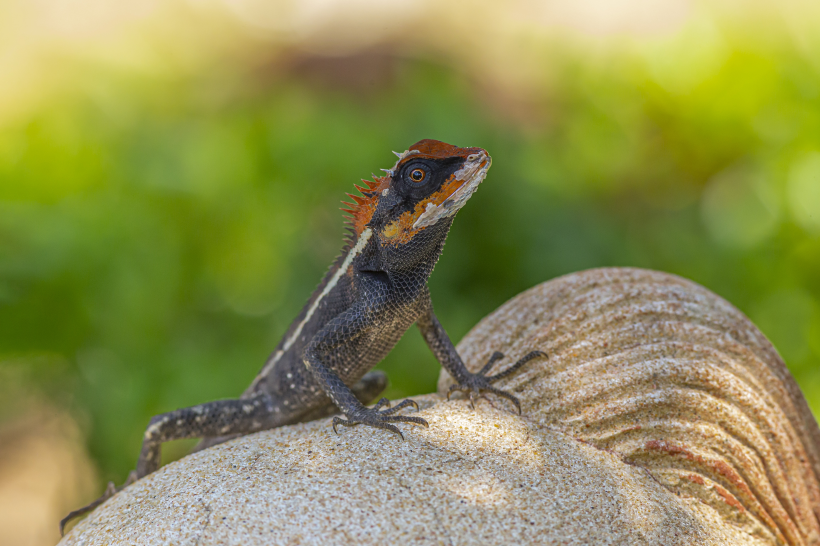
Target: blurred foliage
(159,233)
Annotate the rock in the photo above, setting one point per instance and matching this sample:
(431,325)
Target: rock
(669,377)
(662,416)
(473,477)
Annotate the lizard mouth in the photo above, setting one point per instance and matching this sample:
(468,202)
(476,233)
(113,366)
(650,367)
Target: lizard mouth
(472,173)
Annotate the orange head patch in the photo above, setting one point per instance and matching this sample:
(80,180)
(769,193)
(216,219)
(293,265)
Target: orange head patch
(430,181)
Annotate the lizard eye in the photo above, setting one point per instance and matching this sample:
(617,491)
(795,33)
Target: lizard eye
(418,179)
(418,175)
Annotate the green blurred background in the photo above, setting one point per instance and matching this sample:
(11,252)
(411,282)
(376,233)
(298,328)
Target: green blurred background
(171,173)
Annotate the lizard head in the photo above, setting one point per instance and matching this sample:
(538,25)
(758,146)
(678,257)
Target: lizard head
(426,187)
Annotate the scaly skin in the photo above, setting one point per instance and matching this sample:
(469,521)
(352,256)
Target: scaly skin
(372,294)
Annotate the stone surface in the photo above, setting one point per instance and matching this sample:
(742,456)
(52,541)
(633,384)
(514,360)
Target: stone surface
(670,377)
(662,416)
(473,477)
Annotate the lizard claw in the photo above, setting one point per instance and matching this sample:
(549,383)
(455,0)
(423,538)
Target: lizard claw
(478,383)
(375,417)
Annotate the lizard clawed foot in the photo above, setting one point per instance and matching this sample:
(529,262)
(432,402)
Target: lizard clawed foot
(477,383)
(378,418)
(110,491)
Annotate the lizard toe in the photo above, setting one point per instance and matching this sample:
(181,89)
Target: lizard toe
(344,422)
(477,384)
(512,369)
(407,419)
(373,417)
(399,407)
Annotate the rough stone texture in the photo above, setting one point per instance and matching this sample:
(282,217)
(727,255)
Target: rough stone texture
(473,477)
(662,416)
(670,377)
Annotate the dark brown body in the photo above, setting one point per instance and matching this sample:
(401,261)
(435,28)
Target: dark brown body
(372,294)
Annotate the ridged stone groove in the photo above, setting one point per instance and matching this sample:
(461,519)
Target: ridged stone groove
(672,378)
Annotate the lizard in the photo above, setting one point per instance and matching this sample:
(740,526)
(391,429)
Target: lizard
(371,295)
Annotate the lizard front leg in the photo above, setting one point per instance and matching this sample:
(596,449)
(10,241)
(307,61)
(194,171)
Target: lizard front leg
(473,383)
(343,331)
